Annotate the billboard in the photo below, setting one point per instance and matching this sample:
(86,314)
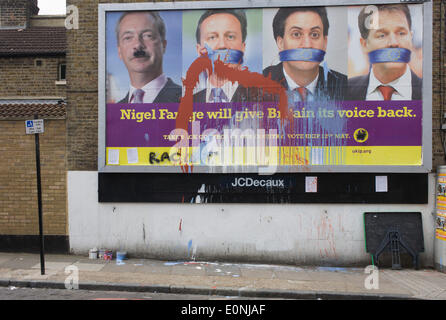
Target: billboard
(216,88)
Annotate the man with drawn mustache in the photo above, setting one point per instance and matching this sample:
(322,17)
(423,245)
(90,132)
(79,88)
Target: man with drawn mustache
(141,45)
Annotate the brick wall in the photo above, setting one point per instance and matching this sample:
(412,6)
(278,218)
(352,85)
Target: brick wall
(82,88)
(18,191)
(16,13)
(21,77)
(438,152)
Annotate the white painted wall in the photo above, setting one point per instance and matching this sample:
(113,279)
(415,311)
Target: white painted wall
(307,234)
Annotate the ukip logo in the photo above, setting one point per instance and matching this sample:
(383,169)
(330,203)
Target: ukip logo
(361,135)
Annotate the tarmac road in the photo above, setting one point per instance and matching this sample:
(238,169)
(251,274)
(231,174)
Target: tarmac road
(15,293)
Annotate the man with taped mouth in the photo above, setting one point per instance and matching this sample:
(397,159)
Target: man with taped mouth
(221,35)
(389,47)
(141,45)
(301,37)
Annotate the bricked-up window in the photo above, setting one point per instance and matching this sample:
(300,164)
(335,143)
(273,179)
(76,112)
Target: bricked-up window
(62,72)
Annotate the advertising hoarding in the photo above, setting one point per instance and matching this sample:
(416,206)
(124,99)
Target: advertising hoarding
(263,89)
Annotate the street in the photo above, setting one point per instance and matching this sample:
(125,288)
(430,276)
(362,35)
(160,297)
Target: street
(14,293)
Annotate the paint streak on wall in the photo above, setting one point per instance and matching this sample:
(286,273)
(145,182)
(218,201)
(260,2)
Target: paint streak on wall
(325,231)
(189,246)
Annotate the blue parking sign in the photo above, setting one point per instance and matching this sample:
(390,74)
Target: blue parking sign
(34,126)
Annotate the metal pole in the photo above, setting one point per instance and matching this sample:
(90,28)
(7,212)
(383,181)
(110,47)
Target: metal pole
(39,201)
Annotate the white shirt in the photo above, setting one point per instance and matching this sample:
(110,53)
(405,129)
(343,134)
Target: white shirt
(229,89)
(402,86)
(293,85)
(151,89)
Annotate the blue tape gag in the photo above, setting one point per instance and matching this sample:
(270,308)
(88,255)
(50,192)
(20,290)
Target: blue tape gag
(302,54)
(390,55)
(225,55)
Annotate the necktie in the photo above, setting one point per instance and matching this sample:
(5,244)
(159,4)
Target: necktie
(138,96)
(217,95)
(302,93)
(387,92)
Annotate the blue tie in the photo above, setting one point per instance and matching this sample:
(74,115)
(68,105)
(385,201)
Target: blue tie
(217,95)
(138,96)
(300,94)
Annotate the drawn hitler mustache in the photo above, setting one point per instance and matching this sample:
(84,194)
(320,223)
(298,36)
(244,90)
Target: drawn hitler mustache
(140,53)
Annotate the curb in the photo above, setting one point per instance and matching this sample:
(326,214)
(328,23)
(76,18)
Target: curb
(248,293)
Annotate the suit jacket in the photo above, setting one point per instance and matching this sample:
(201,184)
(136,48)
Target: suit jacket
(357,87)
(334,88)
(171,92)
(241,94)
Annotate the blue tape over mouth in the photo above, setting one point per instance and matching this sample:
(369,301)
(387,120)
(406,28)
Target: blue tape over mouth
(390,55)
(225,55)
(302,54)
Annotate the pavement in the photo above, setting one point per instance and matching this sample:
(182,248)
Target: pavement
(219,278)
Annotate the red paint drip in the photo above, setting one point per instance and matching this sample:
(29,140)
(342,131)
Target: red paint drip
(300,160)
(186,107)
(244,77)
(186,168)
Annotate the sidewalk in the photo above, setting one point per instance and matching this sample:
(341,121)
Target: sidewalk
(219,278)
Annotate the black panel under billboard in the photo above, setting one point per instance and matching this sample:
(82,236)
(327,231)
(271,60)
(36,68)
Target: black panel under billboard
(409,225)
(408,188)
(395,233)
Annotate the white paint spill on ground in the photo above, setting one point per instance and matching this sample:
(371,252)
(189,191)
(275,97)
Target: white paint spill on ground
(222,266)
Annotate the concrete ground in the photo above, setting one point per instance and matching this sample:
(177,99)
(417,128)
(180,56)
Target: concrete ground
(219,278)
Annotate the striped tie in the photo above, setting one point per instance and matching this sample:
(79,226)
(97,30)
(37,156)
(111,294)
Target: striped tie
(302,93)
(138,96)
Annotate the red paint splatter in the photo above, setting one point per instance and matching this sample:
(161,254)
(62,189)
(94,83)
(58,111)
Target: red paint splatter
(186,168)
(185,109)
(299,160)
(243,76)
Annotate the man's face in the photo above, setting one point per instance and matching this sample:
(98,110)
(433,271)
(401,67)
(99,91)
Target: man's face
(393,32)
(303,30)
(221,31)
(138,34)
